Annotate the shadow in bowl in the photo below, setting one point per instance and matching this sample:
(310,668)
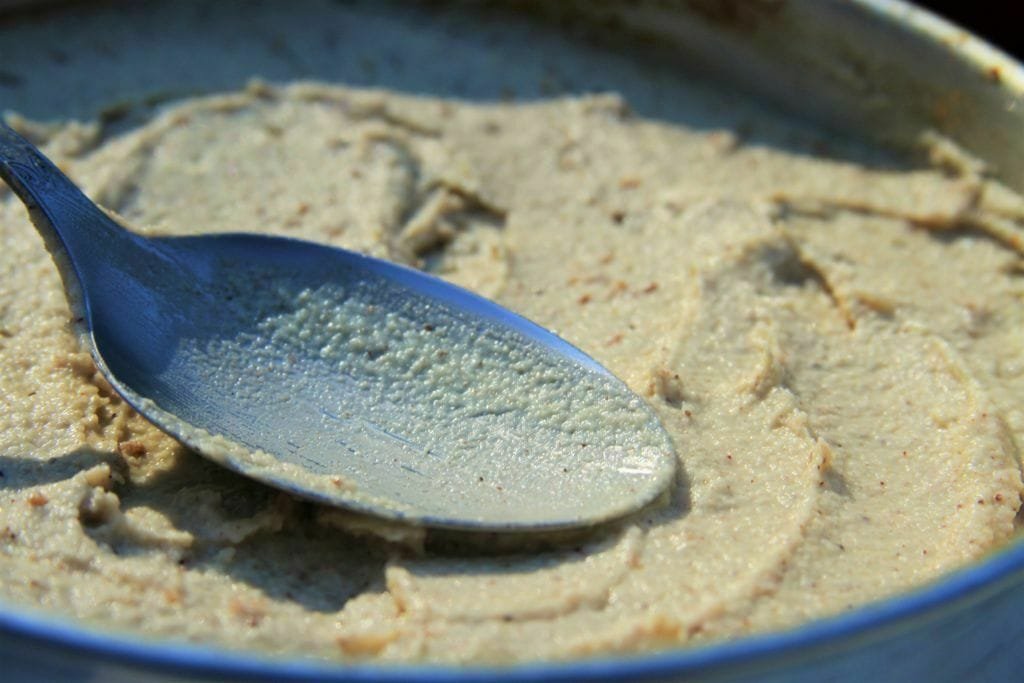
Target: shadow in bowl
(481,53)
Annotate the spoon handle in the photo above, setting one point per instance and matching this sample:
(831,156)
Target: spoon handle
(69,222)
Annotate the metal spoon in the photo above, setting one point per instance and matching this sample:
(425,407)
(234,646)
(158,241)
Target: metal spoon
(345,379)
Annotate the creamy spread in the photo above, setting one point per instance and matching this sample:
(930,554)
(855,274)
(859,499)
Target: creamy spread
(833,344)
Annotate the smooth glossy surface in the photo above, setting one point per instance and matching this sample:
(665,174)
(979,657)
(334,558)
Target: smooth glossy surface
(345,379)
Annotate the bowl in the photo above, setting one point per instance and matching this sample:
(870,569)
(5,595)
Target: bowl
(879,69)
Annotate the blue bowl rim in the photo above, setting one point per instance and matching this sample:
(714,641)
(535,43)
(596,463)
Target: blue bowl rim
(951,592)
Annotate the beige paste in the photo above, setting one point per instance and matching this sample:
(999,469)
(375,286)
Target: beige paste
(836,351)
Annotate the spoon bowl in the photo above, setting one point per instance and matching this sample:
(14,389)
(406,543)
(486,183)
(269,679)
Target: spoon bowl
(346,379)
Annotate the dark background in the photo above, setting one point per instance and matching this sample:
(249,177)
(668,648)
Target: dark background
(1001,22)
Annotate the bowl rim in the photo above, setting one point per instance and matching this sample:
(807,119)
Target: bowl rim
(988,59)
(971,583)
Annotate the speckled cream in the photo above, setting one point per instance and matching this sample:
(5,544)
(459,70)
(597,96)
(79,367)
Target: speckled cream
(835,350)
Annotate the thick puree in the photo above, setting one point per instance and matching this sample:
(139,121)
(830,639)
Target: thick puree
(835,348)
